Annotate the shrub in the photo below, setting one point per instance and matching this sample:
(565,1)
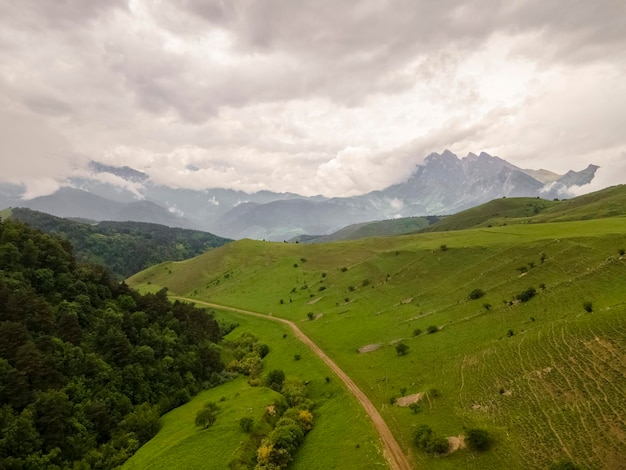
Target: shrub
(310,315)
(443,248)
(621,251)
(478,439)
(415,407)
(510,333)
(432,329)
(344,269)
(476,294)
(275,379)
(430,442)
(417,331)
(487,306)
(365,283)
(246,423)
(402,349)
(526,295)
(588,306)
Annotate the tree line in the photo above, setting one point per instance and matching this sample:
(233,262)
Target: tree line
(87,365)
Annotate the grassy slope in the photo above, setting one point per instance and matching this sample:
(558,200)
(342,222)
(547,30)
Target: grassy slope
(609,202)
(340,424)
(555,389)
(563,388)
(381,228)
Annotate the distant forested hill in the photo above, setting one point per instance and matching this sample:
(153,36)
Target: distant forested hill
(88,365)
(124,247)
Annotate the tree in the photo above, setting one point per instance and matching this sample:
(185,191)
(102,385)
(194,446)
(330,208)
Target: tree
(246,423)
(476,294)
(402,349)
(206,416)
(478,439)
(275,379)
(526,295)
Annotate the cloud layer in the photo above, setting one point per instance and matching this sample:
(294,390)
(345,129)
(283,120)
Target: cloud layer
(334,98)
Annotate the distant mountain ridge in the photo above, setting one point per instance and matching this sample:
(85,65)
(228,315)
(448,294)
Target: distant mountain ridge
(442,184)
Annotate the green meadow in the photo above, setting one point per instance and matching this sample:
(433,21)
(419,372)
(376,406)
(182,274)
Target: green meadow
(545,375)
(342,436)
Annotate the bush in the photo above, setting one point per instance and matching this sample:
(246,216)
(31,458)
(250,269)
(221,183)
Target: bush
(443,248)
(487,306)
(588,306)
(476,294)
(402,349)
(621,251)
(526,295)
(432,329)
(365,282)
(344,269)
(275,379)
(430,442)
(478,439)
(246,423)
(417,331)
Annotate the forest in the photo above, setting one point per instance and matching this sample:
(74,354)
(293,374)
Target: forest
(87,364)
(124,247)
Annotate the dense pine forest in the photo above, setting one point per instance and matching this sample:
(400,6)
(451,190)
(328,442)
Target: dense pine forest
(87,365)
(124,247)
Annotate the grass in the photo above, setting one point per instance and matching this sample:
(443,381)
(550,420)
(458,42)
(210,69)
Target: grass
(555,388)
(342,436)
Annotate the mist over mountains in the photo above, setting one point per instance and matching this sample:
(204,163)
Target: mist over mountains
(442,184)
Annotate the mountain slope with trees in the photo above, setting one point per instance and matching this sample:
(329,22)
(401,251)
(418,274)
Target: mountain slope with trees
(88,365)
(124,247)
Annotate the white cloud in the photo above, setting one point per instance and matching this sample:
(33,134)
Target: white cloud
(311,97)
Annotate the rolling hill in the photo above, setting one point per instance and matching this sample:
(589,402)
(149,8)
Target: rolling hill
(516,329)
(123,247)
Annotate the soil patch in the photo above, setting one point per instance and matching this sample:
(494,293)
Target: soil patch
(455,443)
(409,399)
(369,348)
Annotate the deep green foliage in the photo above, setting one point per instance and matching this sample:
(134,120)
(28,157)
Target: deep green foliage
(478,439)
(476,294)
(88,365)
(206,416)
(246,423)
(275,379)
(526,295)
(432,329)
(402,349)
(427,440)
(588,306)
(124,247)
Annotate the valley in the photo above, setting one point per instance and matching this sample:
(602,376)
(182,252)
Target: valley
(542,373)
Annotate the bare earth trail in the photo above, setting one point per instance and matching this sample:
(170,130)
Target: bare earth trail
(393,453)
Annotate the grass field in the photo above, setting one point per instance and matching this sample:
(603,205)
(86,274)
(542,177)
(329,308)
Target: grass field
(342,436)
(545,377)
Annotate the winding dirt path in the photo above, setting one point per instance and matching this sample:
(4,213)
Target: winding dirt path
(392,451)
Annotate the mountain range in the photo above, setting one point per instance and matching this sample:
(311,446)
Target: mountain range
(442,184)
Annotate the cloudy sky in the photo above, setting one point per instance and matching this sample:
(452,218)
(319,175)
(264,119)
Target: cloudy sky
(316,97)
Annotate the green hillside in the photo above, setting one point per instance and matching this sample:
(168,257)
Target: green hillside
(538,361)
(379,228)
(123,247)
(342,436)
(609,202)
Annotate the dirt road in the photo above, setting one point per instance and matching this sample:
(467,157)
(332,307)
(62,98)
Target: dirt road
(393,453)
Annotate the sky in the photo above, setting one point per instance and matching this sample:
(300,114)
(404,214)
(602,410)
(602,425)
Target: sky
(333,97)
